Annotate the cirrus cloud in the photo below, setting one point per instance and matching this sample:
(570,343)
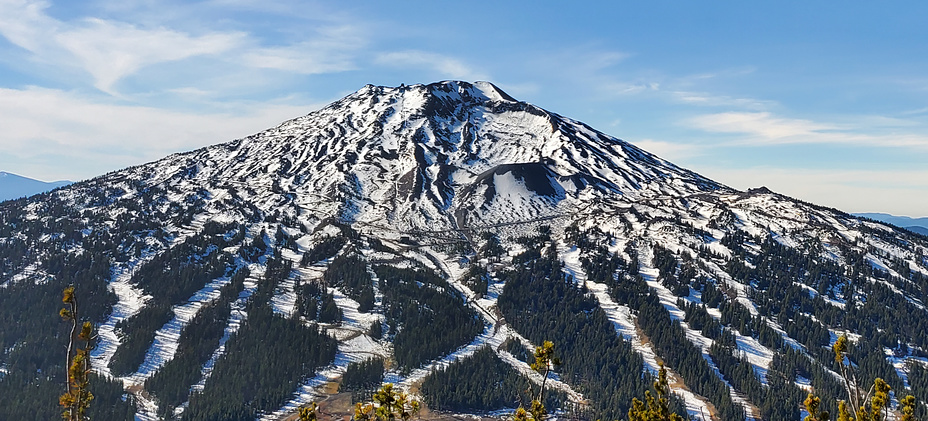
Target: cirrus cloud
(765,128)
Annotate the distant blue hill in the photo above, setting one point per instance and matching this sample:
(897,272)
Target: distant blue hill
(14,186)
(919,225)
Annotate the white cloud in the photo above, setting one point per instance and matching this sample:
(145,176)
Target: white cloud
(111,51)
(85,137)
(705,99)
(899,192)
(671,151)
(108,50)
(446,66)
(629,88)
(333,50)
(765,128)
(24,23)
(761,124)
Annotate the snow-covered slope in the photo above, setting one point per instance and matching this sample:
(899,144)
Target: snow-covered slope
(429,177)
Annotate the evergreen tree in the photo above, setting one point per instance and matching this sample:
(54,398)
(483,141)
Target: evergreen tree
(654,409)
(386,404)
(77,398)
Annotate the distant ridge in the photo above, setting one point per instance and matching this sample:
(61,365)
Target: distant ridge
(14,186)
(917,225)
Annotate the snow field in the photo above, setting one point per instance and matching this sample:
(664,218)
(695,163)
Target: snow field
(167,338)
(129,301)
(668,300)
(236,318)
(354,346)
(623,321)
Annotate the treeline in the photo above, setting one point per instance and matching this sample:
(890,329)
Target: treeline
(425,315)
(540,303)
(314,303)
(265,361)
(324,249)
(33,338)
(170,278)
(362,378)
(199,339)
(627,287)
(481,383)
(783,277)
(349,273)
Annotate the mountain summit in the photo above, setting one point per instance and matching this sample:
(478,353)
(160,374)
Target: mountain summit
(417,156)
(431,236)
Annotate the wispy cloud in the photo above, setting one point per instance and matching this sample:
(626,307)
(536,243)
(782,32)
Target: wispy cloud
(761,124)
(111,50)
(107,50)
(671,151)
(444,65)
(99,136)
(764,128)
(333,49)
(711,100)
(901,192)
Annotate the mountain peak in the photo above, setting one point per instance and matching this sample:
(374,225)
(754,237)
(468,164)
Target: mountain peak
(426,224)
(443,154)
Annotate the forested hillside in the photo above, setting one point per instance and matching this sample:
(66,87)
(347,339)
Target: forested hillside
(431,236)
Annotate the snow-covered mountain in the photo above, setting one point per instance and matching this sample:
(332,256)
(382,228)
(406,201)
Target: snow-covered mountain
(14,186)
(421,224)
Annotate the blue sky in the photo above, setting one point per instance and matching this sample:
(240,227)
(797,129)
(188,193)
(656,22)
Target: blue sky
(823,101)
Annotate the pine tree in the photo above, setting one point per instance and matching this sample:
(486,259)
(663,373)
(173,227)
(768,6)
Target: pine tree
(812,403)
(871,406)
(77,398)
(655,409)
(308,413)
(544,362)
(386,404)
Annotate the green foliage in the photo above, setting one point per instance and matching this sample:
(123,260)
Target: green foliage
(308,413)
(349,274)
(874,405)
(539,303)
(76,400)
(514,347)
(812,404)
(376,330)
(477,279)
(386,405)
(264,363)
(480,382)
(137,334)
(171,279)
(171,384)
(363,378)
(655,409)
(324,249)
(492,247)
(671,344)
(427,317)
(33,340)
(316,304)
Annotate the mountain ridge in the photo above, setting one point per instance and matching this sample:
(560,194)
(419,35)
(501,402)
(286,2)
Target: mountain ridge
(13,186)
(918,225)
(418,224)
